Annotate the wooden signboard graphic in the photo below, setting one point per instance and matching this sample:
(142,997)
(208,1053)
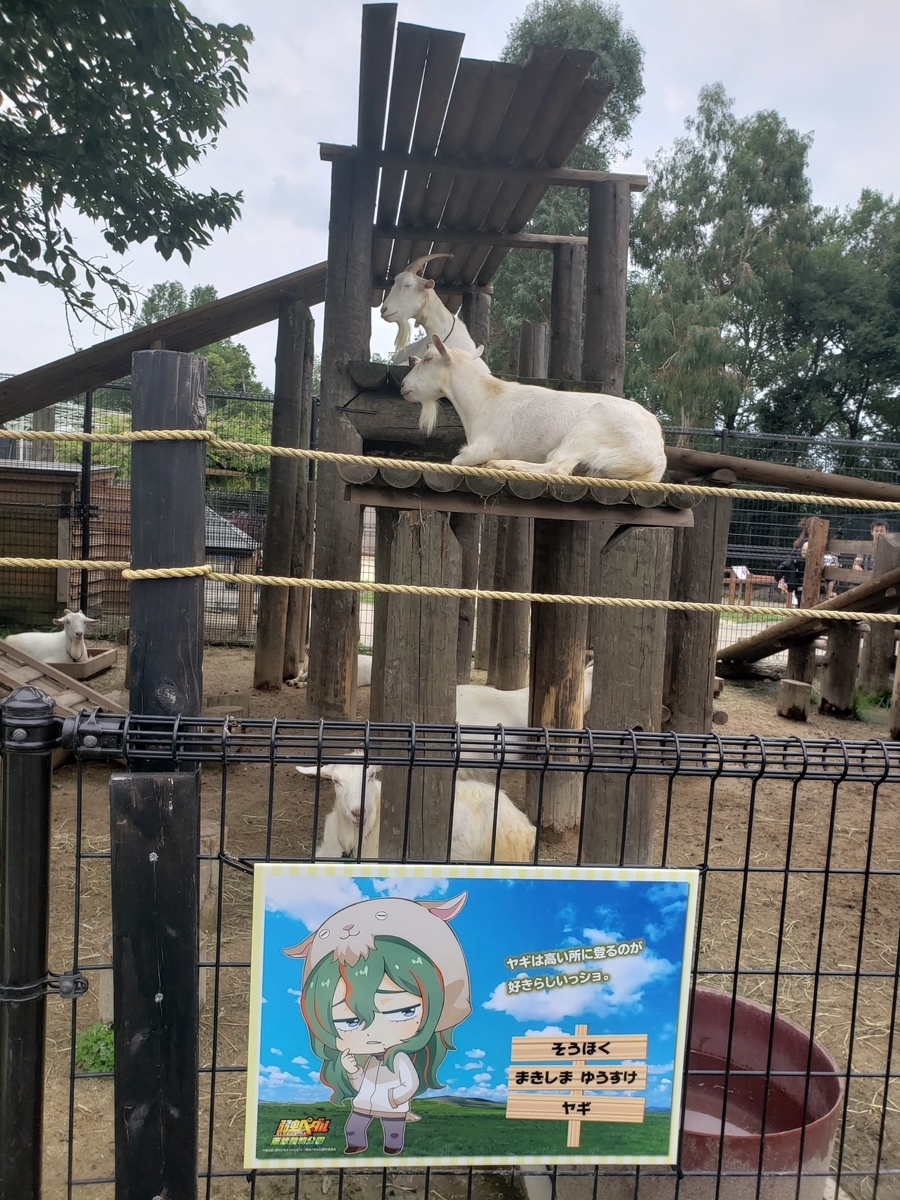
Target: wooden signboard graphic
(419,1015)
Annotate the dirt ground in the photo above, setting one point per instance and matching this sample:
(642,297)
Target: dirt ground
(838,920)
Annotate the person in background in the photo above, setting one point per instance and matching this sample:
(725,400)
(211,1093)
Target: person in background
(866,562)
(789,573)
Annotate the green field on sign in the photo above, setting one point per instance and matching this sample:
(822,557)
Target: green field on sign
(468,1129)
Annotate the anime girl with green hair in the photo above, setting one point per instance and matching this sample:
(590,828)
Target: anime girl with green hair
(381,1007)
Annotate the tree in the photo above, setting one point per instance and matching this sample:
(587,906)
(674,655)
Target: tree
(102,107)
(522,285)
(725,223)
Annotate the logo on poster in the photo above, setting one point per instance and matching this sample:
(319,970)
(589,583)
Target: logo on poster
(302,1131)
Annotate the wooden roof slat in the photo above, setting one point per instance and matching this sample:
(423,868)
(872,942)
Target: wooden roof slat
(471,77)
(483,237)
(530,95)
(410,56)
(191,330)
(590,100)
(499,89)
(440,71)
(561,96)
(377,44)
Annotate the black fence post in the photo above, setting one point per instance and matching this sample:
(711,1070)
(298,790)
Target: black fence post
(29,733)
(85,499)
(154,927)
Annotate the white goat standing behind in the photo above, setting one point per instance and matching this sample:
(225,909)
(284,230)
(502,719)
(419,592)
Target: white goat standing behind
(473,818)
(517,426)
(67,645)
(413,298)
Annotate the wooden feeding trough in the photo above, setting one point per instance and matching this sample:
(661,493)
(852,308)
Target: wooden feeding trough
(98,660)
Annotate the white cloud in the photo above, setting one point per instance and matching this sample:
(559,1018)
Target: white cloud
(472,1066)
(276,1084)
(547,1031)
(311,901)
(300,1061)
(475,1054)
(625,990)
(484,1077)
(599,937)
(275,1050)
(410,888)
(293,991)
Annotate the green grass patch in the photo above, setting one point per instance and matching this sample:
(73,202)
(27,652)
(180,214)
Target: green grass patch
(467,1129)
(94,1048)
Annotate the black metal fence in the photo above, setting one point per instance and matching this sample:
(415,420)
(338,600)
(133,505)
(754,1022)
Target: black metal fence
(797,841)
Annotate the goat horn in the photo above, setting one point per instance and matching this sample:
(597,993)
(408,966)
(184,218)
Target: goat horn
(415,267)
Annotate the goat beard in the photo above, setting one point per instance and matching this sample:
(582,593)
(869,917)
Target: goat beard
(402,338)
(429,415)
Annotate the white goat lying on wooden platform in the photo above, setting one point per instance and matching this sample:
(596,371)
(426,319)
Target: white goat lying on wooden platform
(66,645)
(517,426)
(473,819)
(413,298)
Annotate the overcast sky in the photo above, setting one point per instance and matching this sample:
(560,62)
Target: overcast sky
(828,67)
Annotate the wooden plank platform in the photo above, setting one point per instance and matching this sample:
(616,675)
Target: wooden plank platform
(69,695)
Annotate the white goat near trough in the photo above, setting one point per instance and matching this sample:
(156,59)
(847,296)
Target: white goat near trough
(473,819)
(517,426)
(413,298)
(66,645)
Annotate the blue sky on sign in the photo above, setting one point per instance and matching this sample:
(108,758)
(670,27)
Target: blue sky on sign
(826,66)
(501,918)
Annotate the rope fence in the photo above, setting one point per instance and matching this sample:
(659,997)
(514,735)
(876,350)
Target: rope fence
(439,468)
(408,589)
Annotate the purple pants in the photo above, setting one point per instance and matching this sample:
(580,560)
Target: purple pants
(393,1128)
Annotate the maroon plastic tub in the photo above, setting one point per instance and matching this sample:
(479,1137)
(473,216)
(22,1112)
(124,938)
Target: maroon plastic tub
(782,1097)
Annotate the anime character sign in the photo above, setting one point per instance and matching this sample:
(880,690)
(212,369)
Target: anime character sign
(381,1009)
(466,1015)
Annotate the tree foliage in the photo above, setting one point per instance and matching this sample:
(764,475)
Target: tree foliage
(102,107)
(522,285)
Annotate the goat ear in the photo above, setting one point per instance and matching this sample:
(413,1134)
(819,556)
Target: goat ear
(413,359)
(442,349)
(325,770)
(478,352)
(427,284)
(59,620)
(371,772)
(92,620)
(67,612)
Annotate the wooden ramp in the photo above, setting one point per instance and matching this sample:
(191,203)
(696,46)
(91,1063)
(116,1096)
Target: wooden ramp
(69,695)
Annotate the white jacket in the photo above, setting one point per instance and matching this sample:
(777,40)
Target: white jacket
(383,1092)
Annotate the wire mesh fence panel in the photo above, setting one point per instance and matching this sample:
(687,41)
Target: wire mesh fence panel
(799,915)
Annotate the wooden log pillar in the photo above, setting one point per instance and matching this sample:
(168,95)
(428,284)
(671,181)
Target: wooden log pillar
(331,690)
(508,662)
(297,622)
(534,350)
(841,666)
(245,564)
(467,530)
(416,677)
(609,222)
(698,563)
(45,420)
(877,660)
(566,305)
(801,664)
(558,646)
(278,539)
(168,502)
(484,613)
(629,646)
(793,699)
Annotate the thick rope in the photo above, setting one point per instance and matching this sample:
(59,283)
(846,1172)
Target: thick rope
(409,589)
(438,468)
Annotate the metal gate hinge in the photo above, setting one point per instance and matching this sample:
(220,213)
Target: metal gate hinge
(68,985)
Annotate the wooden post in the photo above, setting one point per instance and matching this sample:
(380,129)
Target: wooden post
(698,563)
(154,827)
(168,481)
(629,647)
(877,658)
(419,681)
(44,420)
(558,646)
(331,690)
(487,569)
(304,519)
(801,663)
(278,539)
(245,564)
(467,530)
(841,666)
(476,313)
(793,699)
(566,304)
(526,351)
(385,527)
(508,662)
(609,222)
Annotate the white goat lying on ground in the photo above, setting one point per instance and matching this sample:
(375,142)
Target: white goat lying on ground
(473,819)
(413,298)
(522,427)
(363,672)
(66,645)
(478,704)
